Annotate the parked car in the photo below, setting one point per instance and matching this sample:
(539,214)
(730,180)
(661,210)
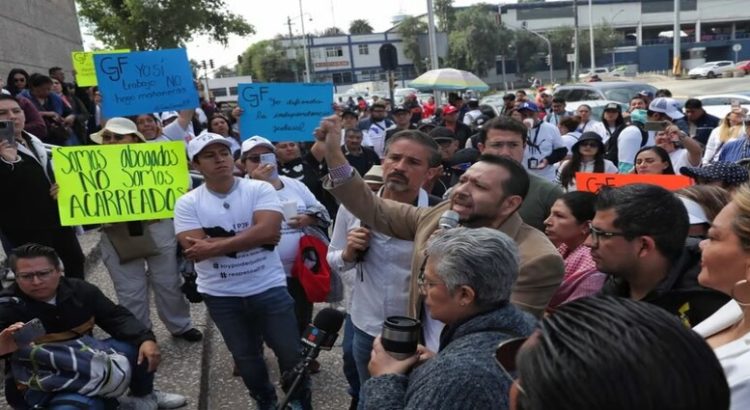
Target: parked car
(620,91)
(597,70)
(712,69)
(720,105)
(744,66)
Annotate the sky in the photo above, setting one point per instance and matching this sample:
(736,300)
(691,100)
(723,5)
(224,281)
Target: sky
(269,18)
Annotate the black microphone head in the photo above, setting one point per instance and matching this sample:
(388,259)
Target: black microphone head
(448,220)
(329,320)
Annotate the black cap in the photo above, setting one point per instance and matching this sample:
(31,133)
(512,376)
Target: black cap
(589,136)
(349,112)
(726,172)
(613,107)
(400,108)
(463,156)
(442,134)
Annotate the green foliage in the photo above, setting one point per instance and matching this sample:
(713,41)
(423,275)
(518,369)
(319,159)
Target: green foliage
(477,40)
(225,71)
(332,31)
(360,26)
(155,24)
(410,29)
(446,15)
(266,61)
(526,49)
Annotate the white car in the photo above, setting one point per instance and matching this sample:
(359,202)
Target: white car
(719,105)
(597,70)
(712,69)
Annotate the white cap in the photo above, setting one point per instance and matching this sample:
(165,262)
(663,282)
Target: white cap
(668,106)
(168,114)
(117,125)
(695,212)
(256,141)
(200,142)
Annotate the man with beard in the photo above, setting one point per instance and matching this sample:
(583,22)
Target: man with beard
(381,288)
(488,194)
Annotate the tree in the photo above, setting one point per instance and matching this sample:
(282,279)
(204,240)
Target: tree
(266,61)
(526,48)
(149,25)
(225,71)
(410,29)
(476,40)
(446,15)
(360,26)
(561,39)
(605,39)
(332,31)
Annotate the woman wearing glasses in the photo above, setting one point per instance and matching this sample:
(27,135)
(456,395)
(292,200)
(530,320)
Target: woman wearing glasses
(467,281)
(588,156)
(141,255)
(568,227)
(604,352)
(726,267)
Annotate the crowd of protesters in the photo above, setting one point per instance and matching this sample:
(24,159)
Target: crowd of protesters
(569,290)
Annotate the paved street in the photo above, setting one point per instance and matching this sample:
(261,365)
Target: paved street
(690,88)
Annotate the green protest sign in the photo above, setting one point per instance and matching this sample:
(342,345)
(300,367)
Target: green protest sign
(118,183)
(83,64)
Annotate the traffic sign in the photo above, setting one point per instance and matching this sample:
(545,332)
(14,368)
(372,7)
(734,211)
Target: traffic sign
(737,47)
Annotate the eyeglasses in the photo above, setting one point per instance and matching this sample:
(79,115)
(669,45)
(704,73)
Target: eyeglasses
(506,354)
(19,80)
(423,284)
(107,136)
(591,144)
(29,276)
(597,234)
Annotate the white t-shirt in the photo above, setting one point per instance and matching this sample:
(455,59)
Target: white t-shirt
(594,126)
(680,158)
(628,144)
(173,132)
(376,135)
(543,139)
(570,139)
(293,191)
(245,273)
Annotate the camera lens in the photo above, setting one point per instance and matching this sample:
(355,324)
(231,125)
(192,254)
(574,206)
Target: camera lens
(400,336)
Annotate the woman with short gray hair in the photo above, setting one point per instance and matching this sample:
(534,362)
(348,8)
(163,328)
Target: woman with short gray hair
(467,280)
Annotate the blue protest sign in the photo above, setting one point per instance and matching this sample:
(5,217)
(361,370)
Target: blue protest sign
(145,81)
(283,111)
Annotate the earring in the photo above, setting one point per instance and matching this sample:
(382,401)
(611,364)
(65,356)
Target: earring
(742,303)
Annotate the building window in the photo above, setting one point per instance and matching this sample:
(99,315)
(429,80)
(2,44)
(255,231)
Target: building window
(315,53)
(232,90)
(364,49)
(219,92)
(334,52)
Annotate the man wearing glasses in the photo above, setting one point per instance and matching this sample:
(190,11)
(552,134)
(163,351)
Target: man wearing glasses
(70,306)
(638,238)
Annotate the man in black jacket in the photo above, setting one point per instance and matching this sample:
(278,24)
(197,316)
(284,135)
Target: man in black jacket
(70,307)
(638,238)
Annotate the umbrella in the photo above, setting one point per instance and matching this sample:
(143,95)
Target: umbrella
(448,79)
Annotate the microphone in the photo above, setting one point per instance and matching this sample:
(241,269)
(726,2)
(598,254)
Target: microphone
(448,220)
(320,335)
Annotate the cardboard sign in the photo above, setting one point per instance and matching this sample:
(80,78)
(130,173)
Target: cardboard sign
(83,64)
(118,183)
(283,111)
(144,82)
(591,182)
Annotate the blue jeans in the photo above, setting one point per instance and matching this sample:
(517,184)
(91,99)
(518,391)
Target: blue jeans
(350,367)
(361,349)
(245,323)
(141,384)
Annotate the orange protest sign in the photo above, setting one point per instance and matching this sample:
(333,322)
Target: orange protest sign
(591,182)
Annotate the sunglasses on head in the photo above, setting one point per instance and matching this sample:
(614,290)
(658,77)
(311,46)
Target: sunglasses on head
(506,354)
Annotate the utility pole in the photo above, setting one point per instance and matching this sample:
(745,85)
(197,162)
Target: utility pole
(291,44)
(575,40)
(304,42)
(433,42)
(549,51)
(591,36)
(677,58)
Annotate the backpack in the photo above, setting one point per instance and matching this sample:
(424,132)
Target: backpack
(311,268)
(84,366)
(611,150)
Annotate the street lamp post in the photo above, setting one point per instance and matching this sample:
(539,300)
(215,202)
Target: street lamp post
(612,25)
(304,42)
(549,51)
(591,37)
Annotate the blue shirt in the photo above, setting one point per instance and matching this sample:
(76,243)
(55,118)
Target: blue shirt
(735,150)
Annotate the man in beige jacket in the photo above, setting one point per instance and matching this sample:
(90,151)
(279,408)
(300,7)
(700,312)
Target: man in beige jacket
(487,195)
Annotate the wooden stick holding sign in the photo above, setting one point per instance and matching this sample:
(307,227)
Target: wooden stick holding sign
(592,182)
